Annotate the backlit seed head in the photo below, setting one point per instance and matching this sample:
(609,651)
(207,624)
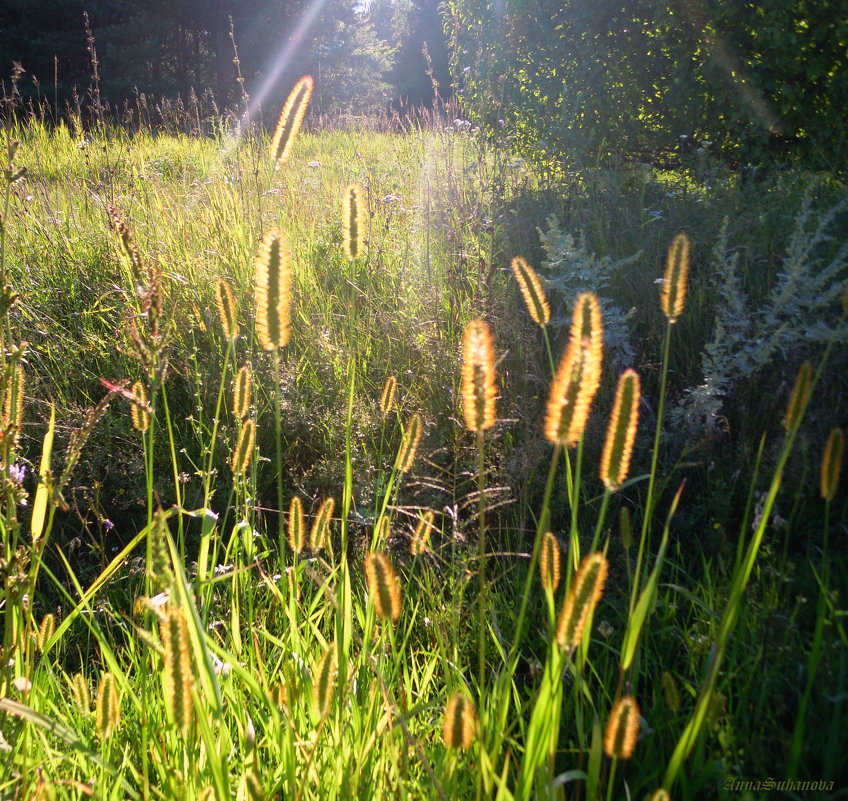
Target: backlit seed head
(478,376)
(177,678)
(383,530)
(622,729)
(460,721)
(46,630)
(660,795)
(273,277)
(107,709)
(13,405)
(383,586)
(409,446)
(241,392)
(584,595)
(81,693)
(387,399)
(832,463)
(226,302)
(578,376)
(353,221)
(421,538)
(799,398)
(549,561)
(297,525)
(531,289)
(244,448)
(321,526)
(290,120)
(324,682)
(675,278)
(618,447)
(139,413)
(671,693)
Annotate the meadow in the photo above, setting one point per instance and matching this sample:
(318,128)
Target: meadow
(313,490)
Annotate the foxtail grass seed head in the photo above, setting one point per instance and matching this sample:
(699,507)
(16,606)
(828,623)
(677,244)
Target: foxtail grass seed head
(353,221)
(584,596)
(324,682)
(421,538)
(799,398)
(409,446)
(226,302)
(176,672)
(387,399)
(831,465)
(660,795)
(460,721)
(321,526)
(549,561)
(675,278)
(383,586)
(46,630)
(13,405)
(273,291)
(671,692)
(625,528)
(531,289)
(618,447)
(478,376)
(81,693)
(290,120)
(241,392)
(622,728)
(383,530)
(244,448)
(138,411)
(578,375)
(107,709)
(297,525)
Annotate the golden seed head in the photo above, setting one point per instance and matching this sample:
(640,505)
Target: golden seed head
(13,405)
(273,291)
(582,600)
(478,376)
(46,630)
(383,586)
(799,398)
(107,709)
(622,728)
(831,465)
(244,448)
(383,530)
(618,447)
(139,410)
(387,399)
(81,693)
(460,721)
(409,446)
(353,221)
(241,392)
(671,693)
(531,289)
(324,682)
(290,120)
(176,670)
(226,302)
(578,375)
(421,538)
(297,525)
(660,795)
(321,526)
(675,278)
(549,561)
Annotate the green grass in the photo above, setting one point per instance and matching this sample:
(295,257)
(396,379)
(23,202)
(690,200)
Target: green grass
(724,625)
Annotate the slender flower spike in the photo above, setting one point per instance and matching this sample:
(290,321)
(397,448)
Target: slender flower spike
(297,525)
(241,392)
(290,120)
(138,411)
(578,376)
(383,586)
(409,446)
(226,303)
(675,278)
(460,721)
(799,398)
(244,448)
(273,291)
(324,682)
(353,221)
(622,728)
(107,709)
(618,448)
(549,563)
(421,538)
(177,678)
(387,399)
(531,289)
(832,463)
(478,376)
(321,525)
(582,599)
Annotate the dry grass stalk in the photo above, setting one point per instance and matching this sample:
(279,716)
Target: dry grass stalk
(226,302)
(622,728)
(478,376)
(799,398)
(353,221)
(244,448)
(831,465)
(409,446)
(460,721)
(383,586)
(290,120)
(273,276)
(675,278)
(549,563)
(241,392)
(387,399)
(421,538)
(618,447)
(321,526)
(582,599)
(297,525)
(531,289)
(107,709)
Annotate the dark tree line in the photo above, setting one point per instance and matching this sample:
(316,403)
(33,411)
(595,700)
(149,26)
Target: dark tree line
(361,56)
